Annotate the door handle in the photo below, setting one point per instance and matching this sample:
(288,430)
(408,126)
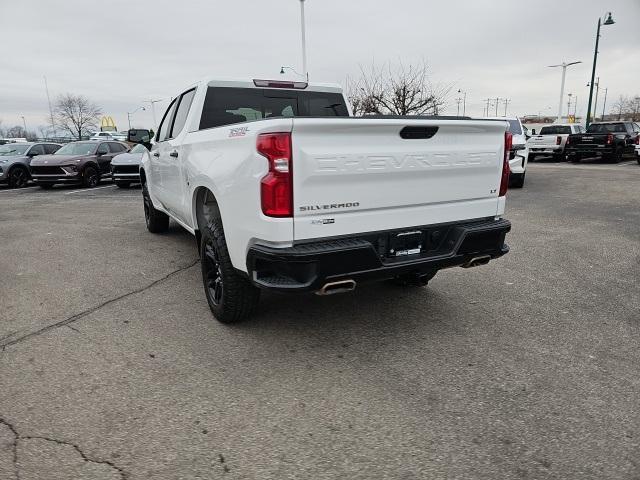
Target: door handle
(174,154)
(156,154)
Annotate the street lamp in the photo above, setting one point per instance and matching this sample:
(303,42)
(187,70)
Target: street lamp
(464,102)
(608,21)
(564,73)
(131,113)
(25,125)
(282,69)
(304,41)
(153,111)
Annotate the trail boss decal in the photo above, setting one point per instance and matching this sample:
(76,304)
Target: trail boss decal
(331,206)
(238,132)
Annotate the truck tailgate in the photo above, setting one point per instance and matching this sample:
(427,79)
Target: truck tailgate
(357,175)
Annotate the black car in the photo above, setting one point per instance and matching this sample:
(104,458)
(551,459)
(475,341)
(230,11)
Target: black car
(612,141)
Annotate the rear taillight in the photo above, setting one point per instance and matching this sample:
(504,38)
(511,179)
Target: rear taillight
(558,140)
(504,180)
(276,187)
(609,138)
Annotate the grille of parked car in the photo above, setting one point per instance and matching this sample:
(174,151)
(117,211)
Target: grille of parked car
(47,170)
(125,168)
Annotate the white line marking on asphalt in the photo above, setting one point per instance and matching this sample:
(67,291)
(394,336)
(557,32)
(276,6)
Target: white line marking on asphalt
(86,190)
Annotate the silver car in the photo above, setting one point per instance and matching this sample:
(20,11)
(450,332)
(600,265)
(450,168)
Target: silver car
(125,168)
(15,161)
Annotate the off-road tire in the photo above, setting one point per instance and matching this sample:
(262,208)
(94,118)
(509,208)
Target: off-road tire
(157,221)
(237,298)
(18,177)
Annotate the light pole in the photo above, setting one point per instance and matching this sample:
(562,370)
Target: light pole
(464,101)
(304,41)
(604,103)
(153,111)
(569,106)
(131,113)
(506,102)
(25,125)
(564,66)
(608,21)
(595,103)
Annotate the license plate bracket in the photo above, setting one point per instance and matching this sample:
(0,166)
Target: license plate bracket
(405,243)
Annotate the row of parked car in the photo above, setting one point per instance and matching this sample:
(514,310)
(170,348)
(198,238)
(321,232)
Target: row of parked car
(83,162)
(613,141)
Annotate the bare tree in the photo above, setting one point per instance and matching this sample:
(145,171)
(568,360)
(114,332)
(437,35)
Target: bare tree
(620,106)
(16,132)
(397,90)
(2,130)
(76,114)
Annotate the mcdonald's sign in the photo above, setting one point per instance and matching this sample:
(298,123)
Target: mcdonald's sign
(107,124)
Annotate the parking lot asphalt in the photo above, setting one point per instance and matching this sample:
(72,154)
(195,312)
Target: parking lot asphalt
(112,366)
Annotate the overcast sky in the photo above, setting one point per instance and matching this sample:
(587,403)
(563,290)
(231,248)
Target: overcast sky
(120,52)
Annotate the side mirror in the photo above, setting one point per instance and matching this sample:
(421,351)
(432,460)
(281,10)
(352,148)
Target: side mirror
(32,154)
(533,131)
(99,153)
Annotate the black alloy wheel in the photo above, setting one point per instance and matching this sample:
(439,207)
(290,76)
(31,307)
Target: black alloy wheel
(212,273)
(18,177)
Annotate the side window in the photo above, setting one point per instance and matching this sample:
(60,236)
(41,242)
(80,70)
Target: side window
(37,150)
(116,147)
(103,149)
(50,148)
(182,112)
(167,120)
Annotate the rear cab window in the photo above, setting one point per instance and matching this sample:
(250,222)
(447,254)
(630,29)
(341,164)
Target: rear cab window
(606,128)
(555,130)
(229,105)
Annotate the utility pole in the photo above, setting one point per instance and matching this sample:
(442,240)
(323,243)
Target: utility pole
(464,101)
(488,100)
(506,102)
(25,125)
(458,101)
(595,105)
(304,41)
(497,100)
(569,105)
(53,127)
(604,104)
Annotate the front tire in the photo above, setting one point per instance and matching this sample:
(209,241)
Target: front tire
(18,177)
(90,177)
(157,221)
(231,297)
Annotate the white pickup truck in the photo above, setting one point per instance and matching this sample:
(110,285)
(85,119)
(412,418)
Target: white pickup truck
(552,140)
(285,191)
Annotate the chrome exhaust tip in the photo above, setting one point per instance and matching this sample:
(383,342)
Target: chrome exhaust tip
(337,287)
(477,261)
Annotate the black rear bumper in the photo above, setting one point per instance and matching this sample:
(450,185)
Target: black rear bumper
(307,266)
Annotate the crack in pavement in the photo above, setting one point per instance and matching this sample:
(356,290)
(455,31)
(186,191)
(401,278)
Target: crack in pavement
(17,438)
(84,313)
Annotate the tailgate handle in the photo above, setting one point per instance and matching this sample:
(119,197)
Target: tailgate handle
(414,133)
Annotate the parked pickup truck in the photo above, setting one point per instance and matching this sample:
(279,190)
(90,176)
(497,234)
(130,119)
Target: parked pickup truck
(610,140)
(285,192)
(552,140)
